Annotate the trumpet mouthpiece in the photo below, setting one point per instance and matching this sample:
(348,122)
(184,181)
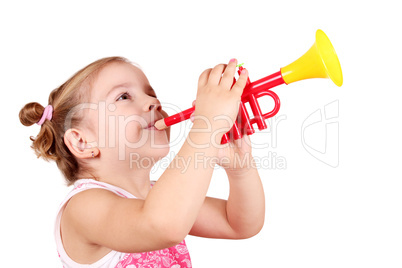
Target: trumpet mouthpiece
(160,124)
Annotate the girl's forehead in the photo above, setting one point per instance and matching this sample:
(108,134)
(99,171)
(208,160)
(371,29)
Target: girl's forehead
(115,74)
(118,71)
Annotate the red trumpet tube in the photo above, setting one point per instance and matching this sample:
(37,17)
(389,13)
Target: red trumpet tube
(251,93)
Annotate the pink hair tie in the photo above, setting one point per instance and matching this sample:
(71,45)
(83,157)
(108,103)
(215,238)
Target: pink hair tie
(47,114)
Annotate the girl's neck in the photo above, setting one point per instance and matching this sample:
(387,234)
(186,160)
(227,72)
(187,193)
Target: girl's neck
(136,182)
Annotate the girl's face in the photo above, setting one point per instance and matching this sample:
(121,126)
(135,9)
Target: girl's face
(124,106)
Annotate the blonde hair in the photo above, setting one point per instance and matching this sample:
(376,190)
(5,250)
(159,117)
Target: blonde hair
(49,143)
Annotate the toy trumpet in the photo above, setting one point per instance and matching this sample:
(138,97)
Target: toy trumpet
(320,61)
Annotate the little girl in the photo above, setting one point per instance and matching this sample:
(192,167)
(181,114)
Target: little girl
(115,216)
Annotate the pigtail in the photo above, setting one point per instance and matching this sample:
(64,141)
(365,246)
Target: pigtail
(49,143)
(43,144)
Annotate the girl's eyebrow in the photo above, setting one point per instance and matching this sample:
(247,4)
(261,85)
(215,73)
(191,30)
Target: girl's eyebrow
(126,85)
(116,87)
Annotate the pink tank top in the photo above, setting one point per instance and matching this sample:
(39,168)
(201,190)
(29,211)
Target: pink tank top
(175,257)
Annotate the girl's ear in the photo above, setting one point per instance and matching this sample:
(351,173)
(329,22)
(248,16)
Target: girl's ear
(77,144)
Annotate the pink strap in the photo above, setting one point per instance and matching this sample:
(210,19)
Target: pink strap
(47,114)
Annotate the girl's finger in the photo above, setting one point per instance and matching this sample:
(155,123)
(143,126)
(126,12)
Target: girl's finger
(241,82)
(216,74)
(228,75)
(203,80)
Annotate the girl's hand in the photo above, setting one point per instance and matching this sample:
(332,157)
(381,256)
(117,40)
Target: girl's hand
(235,156)
(217,101)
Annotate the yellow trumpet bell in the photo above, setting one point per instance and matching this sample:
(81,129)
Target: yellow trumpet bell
(320,61)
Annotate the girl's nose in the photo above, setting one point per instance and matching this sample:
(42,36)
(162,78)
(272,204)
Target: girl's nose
(154,104)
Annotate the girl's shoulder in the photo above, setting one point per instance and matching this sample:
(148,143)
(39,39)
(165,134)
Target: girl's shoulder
(91,199)
(89,220)
(86,184)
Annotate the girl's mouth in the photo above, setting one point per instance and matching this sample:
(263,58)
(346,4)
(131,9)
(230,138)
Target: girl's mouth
(151,125)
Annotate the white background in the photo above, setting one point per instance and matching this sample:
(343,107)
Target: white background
(317,215)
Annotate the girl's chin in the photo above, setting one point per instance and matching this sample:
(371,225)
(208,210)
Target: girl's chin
(158,134)
(158,153)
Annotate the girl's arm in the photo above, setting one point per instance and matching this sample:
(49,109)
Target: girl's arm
(246,202)
(160,221)
(241,216)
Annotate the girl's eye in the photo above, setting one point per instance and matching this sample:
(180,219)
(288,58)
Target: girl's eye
(124,96)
